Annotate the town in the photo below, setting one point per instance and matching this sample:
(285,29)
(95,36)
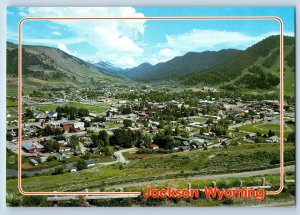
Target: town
(74,129)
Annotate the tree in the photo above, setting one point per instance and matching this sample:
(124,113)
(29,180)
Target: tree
(81,164)
(29,114)
(59,116)
(258,139)
(94,138)
(210,121)
(58,170)
(9,136)
(127,123)
(164,140)
(261,115)
(122,137)
(58,131)
(33,201)
(291,137)
(83,112)
(72,113)
(74,141)
(103,135)
(51,146)
(46,131)
(55,146)
(147,140)
(271,133)
(162,124)
(106,150)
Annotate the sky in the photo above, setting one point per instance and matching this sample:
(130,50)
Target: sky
(128,43)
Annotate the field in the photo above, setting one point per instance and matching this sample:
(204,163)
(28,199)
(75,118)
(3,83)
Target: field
(97,108)
(264,128)
(246,157)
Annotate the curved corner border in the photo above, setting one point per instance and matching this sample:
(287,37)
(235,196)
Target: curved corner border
(143,18)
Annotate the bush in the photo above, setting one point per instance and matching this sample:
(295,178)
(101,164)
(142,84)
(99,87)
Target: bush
(15,201)
(58,170)
(81,164)
(32,201)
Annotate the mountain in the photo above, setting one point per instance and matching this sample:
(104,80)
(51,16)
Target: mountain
(45,66)
(109,68)
(188,63)
(259,62)
(138,71)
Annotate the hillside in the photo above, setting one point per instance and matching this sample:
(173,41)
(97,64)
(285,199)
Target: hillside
(228,69)
(109,68)
(186,64)
(45,66)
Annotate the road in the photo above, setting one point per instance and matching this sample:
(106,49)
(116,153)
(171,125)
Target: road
(119,155)
(82,147)
(203,177)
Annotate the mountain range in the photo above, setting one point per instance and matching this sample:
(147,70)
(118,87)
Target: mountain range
(225,68)
(50,67)
(228,68)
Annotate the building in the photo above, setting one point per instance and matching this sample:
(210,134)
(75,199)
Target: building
(273,139)
(33,147)
(79,125)
(33,162)
(90,163)
(154,146)
(67,126)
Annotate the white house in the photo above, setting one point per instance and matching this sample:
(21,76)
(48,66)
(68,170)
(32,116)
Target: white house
(79,125)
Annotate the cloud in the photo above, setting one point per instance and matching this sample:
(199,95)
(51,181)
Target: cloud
(166,52)
(209,39)
(56,33)
(201,40)
(64,48)
(109,37)
(22,13)
(126,62)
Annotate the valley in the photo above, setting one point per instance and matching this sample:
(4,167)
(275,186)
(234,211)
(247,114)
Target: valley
(99,127)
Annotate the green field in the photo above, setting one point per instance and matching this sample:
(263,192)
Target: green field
(264,128)
(114,124)
(246,157)
(98,108)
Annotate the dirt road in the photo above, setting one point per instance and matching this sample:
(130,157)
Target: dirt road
(213,177)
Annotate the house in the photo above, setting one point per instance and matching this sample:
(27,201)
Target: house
(60,156)
(154,146)
(273,139)
(79,125)
(200,143)
(251,135)
(90,163)
(43,158)
(95,150)
(51,114)
(33,147)
(33,162)
(87,119)
(62,142)
(41,117)
(186,143)
(185,148)
(12,131)
(67,126)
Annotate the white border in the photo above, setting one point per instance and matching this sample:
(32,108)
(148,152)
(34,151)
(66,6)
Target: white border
(125,211)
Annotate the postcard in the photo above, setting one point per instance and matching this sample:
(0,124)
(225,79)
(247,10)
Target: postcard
(150,107)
